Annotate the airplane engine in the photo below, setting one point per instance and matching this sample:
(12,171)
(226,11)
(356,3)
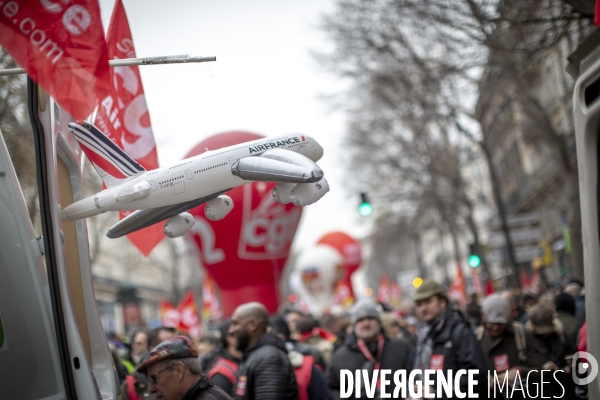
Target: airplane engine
(178,225)
(218,208)
(282,192)
(137,191)
(304,194)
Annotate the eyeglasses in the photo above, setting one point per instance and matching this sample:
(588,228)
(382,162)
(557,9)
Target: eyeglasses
(152,378)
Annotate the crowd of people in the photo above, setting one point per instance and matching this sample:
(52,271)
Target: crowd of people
(508,340)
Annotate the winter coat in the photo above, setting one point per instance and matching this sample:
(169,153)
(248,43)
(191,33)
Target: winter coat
(266,372)
(203,389)
(570,326)
(396,355)
(455,345)
(506,344)
(501,354)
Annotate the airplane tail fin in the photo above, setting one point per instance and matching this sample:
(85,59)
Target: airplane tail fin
(111,162)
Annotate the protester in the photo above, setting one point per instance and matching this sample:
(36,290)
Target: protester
(174,372)
(310,336)
(136,385)
(310,379)
(445,340)
(291,316)
(207,350)
(575,289)
(265,371)
(508,349)
(139,346)
(565,312)
(367,347)
(553,348)
(474,311)
(222,371)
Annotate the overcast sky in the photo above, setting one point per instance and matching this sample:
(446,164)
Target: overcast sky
(264,81)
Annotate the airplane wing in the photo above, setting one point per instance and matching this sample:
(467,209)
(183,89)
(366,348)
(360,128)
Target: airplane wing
(143,218)
(278,165)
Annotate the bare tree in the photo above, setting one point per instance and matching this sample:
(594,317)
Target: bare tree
(417,64)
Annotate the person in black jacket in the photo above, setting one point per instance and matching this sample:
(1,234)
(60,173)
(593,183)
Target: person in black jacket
(310,379)
(368,348)
(222,372)
(445,340)
(265,371)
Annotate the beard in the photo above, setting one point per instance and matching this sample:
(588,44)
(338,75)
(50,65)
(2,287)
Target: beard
(242,341)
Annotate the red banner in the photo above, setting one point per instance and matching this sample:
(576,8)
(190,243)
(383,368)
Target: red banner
(123,116)
(61,46)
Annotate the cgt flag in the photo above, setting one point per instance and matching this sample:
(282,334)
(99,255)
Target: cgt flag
(169,314)
(190,321)
(123,116)
(61,47)
(211,306)
(458,287)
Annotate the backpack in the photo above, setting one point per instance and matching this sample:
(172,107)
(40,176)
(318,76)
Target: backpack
(302,365)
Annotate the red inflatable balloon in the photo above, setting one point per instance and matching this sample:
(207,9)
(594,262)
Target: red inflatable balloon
(246,251)
(349,248)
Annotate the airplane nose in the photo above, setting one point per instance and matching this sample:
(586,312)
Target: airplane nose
(316,151)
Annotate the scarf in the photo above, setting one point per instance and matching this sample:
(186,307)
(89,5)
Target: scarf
(424,348)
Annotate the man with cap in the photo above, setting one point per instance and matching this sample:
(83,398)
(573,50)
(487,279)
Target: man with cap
(445,339)
(548,333)
(265,372)
(368,348)
(508,348)
(174,372)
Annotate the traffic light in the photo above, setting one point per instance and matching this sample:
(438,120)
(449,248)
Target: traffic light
(365,208)
(474,255)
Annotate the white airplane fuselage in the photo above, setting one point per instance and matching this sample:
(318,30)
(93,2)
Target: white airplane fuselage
(189,179)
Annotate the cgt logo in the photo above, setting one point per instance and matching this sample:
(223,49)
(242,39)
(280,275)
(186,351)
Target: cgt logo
(584,368)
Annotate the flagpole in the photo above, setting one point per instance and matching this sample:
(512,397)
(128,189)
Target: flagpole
(179,59)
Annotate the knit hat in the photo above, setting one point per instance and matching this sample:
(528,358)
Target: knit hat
(565,302)
(177,347)
(429,288)
(365,309)
(496,309)
(541,318)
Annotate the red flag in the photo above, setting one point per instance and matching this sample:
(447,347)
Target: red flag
(489,286)
(383,292)
(395,294)
(525,281)
(458,288)
(169,315)
(61,46)
(190,322)
(211,307)
(123,116)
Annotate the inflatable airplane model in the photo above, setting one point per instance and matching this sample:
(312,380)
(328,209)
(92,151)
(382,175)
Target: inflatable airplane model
(168,192)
